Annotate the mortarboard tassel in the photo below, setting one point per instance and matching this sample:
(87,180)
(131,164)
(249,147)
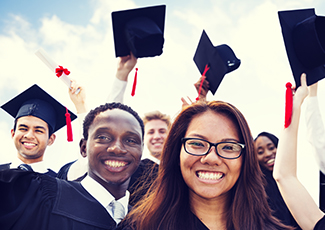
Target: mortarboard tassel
(203,75)
(134,82)
(69,127)
(288,105)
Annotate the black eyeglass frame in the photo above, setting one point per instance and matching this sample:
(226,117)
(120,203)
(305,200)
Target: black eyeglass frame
(184,139)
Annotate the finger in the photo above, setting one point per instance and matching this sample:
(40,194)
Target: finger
(303,80)
(124,58)
(190,99)
(184,102)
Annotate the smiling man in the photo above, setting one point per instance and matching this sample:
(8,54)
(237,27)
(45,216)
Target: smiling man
(156,126)
(37,117)
(113,143)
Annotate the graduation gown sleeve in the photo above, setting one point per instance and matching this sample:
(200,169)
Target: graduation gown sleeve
(34,201)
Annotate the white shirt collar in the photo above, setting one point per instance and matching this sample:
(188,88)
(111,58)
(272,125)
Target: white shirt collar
(152,158)
(39,167)
(103,196)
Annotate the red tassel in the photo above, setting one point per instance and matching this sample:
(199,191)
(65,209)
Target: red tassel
(134,82)
(203,74)
(288,105)
(69,127)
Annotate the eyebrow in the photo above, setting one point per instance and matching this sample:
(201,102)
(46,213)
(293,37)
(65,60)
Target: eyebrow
(222,140)
(36,127)
(153,129)
(107,129)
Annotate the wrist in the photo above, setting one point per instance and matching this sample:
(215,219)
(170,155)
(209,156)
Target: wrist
(122,75)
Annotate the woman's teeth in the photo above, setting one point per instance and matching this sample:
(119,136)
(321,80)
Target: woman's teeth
(210,176)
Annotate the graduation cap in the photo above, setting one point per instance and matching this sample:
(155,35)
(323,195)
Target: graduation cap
(140,31)
(34,101)
(304,38)
(214,61)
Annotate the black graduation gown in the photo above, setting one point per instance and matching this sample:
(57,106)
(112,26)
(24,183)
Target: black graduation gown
(198,225)
(50,172)
(276,202)
(320,224)
(141,180)
(63,172)
(35,201)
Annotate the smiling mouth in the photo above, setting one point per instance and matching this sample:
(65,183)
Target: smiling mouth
(270,162)
(29,144)
(210,175)
(115,164)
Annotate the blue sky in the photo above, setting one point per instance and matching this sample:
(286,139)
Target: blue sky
(33,10)
(78,35)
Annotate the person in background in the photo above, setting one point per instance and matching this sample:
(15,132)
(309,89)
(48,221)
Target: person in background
(113,143)
(208,177)
(37,117)
(156,126)
(300,203)
(266,147)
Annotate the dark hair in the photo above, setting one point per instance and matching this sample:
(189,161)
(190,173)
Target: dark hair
(108,106)
(272,137)
(167,204)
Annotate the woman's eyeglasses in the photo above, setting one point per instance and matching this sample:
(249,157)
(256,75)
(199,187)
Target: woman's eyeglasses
(224,149)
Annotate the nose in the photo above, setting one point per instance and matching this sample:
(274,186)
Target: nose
(29,134)
(212,158)
(270,153)
(117,148)
(156,135)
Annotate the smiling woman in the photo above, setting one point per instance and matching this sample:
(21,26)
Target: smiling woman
(266,145)
(208,177)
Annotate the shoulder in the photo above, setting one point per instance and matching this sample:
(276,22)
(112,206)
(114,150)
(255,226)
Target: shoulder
(320,224)
(5,166)
(63,172)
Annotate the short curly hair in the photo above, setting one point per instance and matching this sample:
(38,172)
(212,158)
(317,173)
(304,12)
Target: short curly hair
(108,106)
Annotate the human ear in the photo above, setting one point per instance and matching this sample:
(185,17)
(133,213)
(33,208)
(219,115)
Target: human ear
(51,139)
(12,133)
(83,147)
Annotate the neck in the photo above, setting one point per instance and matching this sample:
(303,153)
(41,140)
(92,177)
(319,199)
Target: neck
(30,161)
(117,190)
(156,155)
(212,212)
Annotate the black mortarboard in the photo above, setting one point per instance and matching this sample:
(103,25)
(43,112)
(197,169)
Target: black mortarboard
(220,60)
(304,38)
(34,101)
(140,31)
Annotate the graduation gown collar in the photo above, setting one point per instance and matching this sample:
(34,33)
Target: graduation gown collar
(67,204)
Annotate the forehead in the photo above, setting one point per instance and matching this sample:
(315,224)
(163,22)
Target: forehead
(211,121)
(116,119)
(156,124)
(263,140)
(31,121)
